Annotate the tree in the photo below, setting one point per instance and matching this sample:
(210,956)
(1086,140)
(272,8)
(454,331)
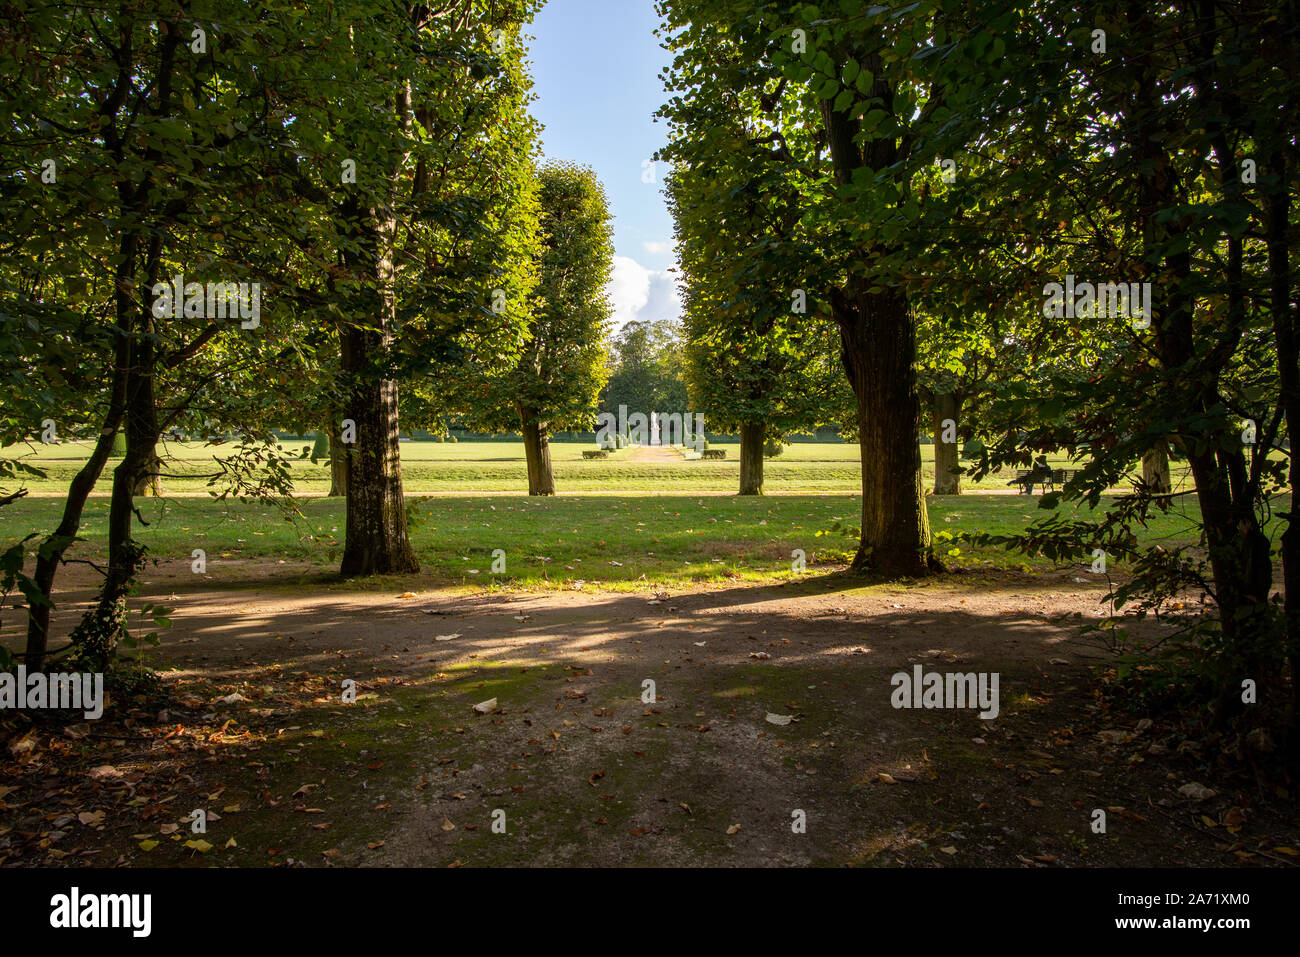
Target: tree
(647,372)
(753,356)
(143,142)
(881,107)
(426,232)
(1138,163)
(959,359)
(562,368)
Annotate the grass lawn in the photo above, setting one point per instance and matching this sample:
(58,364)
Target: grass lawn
(464,503)
(473,468)
(628,540)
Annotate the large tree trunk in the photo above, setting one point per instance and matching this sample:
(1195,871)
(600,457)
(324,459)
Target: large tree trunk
(1155,469)
(377,542)
(879,354)
(878,336)
(947,480)
(537,452)
(751,457)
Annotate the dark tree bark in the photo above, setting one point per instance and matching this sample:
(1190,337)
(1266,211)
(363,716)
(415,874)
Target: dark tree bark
(751,457)
(1237,548)
(377,542)
(1277,212)
(56,544)
(100,629)
(947,481)
(141,245)
(879,354)
(878,336)
(537,452)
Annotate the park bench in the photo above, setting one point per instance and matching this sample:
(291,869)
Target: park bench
(595,454)
(715,453)
(1061,476)
(1028,478)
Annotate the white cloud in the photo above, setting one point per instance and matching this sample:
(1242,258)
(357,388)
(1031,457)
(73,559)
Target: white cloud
(657,249)
(642,294)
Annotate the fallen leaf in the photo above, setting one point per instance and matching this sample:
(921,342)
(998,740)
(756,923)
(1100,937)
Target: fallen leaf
(1197,792)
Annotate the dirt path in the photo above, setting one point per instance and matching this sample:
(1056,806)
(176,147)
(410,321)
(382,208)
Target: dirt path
(583,770)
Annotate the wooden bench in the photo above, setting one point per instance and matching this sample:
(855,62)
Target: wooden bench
(714,454)
(1028,478)
(1061,476)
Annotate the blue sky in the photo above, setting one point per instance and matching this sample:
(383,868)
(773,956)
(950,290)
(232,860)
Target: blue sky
(595,65)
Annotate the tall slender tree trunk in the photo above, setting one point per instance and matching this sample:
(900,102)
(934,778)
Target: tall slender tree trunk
(139,258)
(947,480)
(751,457)
(1155,468)
(57,543)
(1237,548)
(100,629)
(879,354)
(1277,216)
(377,541)
(537,452)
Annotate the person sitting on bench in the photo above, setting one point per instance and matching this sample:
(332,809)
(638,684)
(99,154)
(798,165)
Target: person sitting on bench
(1040,474)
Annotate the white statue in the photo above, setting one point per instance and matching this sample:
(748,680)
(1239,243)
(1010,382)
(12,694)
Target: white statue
(654,428)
